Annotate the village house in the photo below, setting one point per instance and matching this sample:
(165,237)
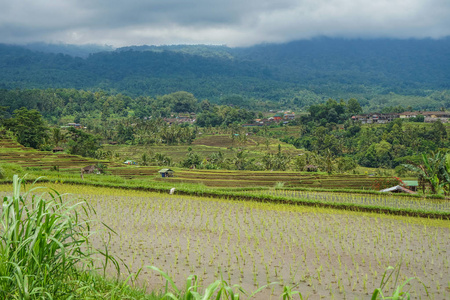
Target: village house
(430,117)
(375,118)
(75,125)
(289,116)
(433,116)
(366,118)
(181,119)
(278,117)
(386,118)
(408,114)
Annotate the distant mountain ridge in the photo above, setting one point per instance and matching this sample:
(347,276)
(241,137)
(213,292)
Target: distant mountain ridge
(72,50)
(322,67)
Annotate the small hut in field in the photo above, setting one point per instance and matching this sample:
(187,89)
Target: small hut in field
(411,185)
(166,172)
(310,168)
(57,149)
(88,170)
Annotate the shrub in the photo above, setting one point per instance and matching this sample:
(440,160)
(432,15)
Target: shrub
(8,170)
(387,182)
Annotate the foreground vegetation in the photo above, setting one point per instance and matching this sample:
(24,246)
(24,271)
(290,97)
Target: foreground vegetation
(45,249)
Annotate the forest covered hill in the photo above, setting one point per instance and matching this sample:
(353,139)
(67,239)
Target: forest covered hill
(379,72)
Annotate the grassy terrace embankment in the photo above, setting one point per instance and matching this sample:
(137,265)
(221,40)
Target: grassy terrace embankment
(12,152)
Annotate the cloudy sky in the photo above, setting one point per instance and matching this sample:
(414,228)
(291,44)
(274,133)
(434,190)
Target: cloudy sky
(230,22)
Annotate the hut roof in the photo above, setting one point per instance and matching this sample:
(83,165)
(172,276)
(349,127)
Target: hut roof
(398,189)
(310,167)
(89,169)
(165,170)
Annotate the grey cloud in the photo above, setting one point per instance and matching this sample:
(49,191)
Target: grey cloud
(232,22)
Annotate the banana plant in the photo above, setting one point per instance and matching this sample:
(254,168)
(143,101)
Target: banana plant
(433,170)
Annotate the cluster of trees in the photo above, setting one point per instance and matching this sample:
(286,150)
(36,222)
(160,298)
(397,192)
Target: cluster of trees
(28,126)
(150,132)
(79,105)
(223,115)
(55,104)
(30,130)
(242,159)
(385,146)
(332,112)
(239,161)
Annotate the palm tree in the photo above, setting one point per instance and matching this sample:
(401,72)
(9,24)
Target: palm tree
(58,136)
(329,161)
(145,160)
(240,159)
(162,159)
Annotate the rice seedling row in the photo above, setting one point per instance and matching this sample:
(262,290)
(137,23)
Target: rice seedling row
(382,200)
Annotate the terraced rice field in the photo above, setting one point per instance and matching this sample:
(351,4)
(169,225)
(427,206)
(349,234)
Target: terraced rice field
(225,178)
(12,152)
(206,145)
(324,253)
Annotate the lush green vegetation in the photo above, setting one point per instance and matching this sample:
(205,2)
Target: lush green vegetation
(379,73)
(330,149)
(331,140)
(386,146)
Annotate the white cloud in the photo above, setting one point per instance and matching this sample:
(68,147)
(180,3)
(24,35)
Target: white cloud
(232,22)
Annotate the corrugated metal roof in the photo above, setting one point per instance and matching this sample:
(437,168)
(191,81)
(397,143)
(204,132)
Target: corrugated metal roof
(398,189)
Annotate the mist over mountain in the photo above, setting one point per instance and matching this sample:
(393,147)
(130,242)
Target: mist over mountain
(72,50)
(299,72)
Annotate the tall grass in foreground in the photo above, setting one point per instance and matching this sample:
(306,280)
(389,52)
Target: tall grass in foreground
(221,289)
(392,274)
(44,244)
